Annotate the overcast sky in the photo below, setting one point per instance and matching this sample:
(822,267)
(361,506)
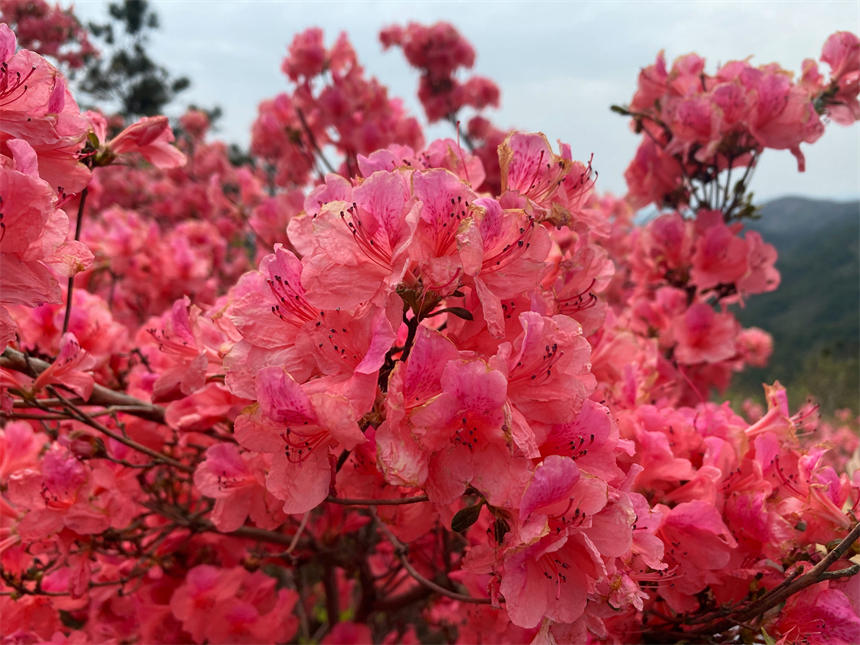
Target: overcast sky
(560,65)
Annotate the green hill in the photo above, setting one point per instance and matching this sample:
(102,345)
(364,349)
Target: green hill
(814,315)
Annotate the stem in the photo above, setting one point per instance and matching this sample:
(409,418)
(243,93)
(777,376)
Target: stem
(412,327)
(332,604)
(71,286)
(313,140)
(20,362)
(725,200)
(401,550)
(294,542)
(253,533)
(81,416)
(727,214)
(367,590)
(721,621)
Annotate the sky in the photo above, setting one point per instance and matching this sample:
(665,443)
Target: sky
(560,65)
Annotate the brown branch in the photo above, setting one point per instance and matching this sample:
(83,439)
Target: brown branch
(332,604)
(840,573)
(816,574)
(725,619)
(34,417)
(81,416)
(20,362)
(254,533)
(313,140)
(70,287)
(393,603)
(401,550)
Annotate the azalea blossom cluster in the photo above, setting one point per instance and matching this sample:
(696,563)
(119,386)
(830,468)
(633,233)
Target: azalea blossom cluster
(333,104)
(424,397)
(49,29)
(698,127)
(439,51)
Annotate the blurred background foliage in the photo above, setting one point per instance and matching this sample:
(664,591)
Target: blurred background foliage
(814,315)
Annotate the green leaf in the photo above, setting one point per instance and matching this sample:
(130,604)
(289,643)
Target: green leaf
(465,517)
(70,621)
(500,528)
(460,312)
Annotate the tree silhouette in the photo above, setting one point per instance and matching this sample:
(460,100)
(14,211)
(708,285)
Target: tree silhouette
(125,74)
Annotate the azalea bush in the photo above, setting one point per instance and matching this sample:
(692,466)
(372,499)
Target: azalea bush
(365,388)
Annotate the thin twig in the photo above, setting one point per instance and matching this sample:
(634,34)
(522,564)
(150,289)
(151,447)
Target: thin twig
(816,574)
(71,285)
(721,621)
(313,140)
(298,534)
(20,362)
(35,417)
(254,533)
(86,419)
(401,550)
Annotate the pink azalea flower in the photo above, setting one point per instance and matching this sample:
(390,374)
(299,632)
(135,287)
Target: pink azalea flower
(27,207)
(819,615)
(699,543)
(307,55)
(317,418)
(411,386)
(38,108)
(546,368)
(842,53)
(502,253)
(151,137)
(550,579)
(721,256)
(68,493)
(357,252)
(233,606)
(70,369)
(532,169)
(19,447)
(704,335)
(652,84)
(236,482)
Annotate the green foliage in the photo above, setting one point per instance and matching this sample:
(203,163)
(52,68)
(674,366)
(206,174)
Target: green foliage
(125,74)
(814,315)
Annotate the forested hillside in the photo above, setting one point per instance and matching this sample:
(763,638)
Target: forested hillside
(814,316)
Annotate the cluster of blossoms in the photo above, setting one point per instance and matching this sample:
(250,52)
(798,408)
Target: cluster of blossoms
(439,51)
(50,30)
(698,127)
(41,130)
(175,230)
(455,400)
(333,104)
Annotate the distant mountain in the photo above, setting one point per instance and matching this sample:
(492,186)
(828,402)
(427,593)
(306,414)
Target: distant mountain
(814,315)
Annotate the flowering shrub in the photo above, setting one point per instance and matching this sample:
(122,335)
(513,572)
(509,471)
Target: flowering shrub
(437,393)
